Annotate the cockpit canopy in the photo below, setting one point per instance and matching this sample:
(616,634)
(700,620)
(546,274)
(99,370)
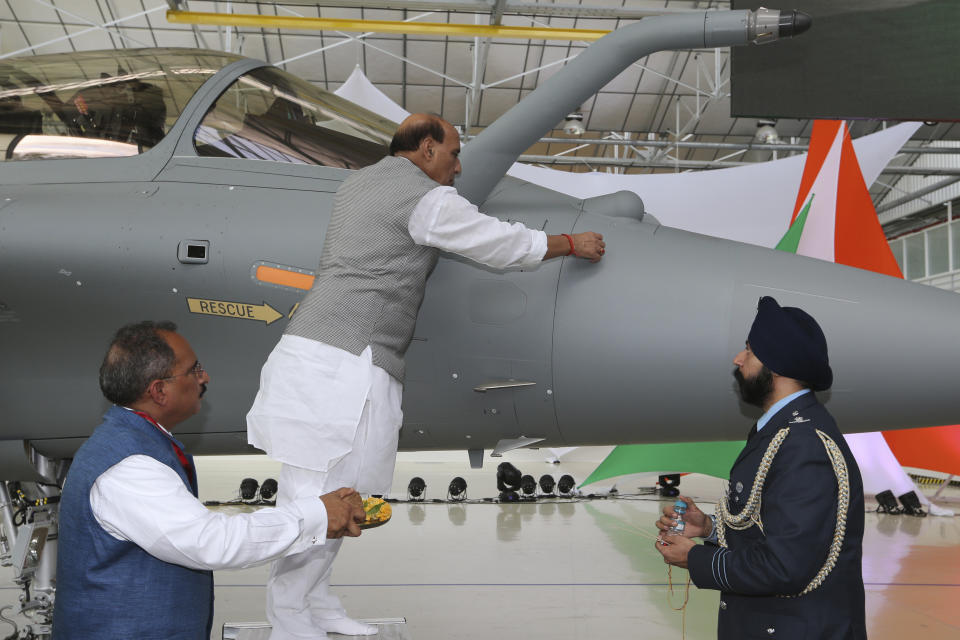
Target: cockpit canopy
(268,114)
(118,103)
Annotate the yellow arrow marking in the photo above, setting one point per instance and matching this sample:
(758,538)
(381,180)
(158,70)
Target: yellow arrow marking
(241,310)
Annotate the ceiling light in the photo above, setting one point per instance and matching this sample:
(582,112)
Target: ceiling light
(766,132)
(573,124)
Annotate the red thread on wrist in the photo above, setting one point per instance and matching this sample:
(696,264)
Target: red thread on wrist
(573,251)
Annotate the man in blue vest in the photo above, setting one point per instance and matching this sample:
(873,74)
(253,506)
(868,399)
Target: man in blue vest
(785,546)
(136,548)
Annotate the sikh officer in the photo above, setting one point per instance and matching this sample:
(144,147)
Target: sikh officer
(784,547)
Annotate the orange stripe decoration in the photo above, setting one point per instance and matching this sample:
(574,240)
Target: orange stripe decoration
(283,276)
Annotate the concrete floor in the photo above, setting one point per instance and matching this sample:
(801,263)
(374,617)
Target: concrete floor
(562,570)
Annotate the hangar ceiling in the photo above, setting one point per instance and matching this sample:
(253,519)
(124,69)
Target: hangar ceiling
(664,99)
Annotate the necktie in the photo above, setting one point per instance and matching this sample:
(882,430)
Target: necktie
(181,456)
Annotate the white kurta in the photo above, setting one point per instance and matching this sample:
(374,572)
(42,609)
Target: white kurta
(309,403)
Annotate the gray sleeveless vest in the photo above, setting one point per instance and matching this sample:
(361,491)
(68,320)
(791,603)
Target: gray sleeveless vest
(372,274)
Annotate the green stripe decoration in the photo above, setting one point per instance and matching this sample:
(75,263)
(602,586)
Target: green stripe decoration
(791,239)
(709,458)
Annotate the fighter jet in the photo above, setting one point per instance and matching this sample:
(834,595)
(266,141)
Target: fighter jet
(196,186)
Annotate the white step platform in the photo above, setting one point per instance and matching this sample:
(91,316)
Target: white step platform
(390,629)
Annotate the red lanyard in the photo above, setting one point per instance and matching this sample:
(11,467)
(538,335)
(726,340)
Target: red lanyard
(180,455)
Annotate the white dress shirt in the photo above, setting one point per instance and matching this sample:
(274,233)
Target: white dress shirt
(143,501)
(446,220)
(309,403)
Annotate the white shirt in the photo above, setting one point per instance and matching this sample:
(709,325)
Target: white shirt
(143,501)
(446,220)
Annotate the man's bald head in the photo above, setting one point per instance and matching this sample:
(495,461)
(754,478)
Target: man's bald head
(431,143)
(414,129)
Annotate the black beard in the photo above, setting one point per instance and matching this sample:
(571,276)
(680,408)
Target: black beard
(757,389)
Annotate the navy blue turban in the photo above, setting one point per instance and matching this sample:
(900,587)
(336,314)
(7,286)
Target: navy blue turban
(790,343)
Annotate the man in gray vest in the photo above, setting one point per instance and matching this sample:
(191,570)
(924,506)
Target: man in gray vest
(330,392)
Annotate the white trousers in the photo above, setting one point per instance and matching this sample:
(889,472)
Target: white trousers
(298,596)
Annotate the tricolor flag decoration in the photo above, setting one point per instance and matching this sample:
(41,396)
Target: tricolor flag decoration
(834,219)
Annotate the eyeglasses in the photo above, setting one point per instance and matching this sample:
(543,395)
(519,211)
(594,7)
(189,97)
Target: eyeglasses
(197,370)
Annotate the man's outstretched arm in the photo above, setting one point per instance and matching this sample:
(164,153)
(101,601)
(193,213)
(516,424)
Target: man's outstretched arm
(143,501)
(447,221)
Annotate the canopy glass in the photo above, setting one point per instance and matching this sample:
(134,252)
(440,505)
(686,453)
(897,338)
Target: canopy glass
(117,103)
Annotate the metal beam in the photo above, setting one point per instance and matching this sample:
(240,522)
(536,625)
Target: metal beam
(679,132)
(629,162)
(226,37)
(701,164)
(736,146)
(197,34)
(441,29)
(411,62)
(347,38)
(102,27)
(82,31)
(480,6)
(481,53)
(529,71)
(919,193)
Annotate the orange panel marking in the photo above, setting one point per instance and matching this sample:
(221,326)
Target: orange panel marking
(273,275)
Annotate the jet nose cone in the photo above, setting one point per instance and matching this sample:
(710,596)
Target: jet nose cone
(793,23)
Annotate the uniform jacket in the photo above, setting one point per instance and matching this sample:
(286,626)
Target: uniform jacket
(798,513)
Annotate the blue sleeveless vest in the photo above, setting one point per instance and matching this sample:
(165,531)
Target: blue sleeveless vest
(108,589)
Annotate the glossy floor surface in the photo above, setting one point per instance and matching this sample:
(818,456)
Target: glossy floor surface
(565,570)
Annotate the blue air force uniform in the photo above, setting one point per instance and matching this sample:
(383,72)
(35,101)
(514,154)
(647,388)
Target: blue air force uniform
(773,571)
(798,515)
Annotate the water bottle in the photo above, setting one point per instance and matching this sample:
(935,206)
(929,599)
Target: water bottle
(680,507)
